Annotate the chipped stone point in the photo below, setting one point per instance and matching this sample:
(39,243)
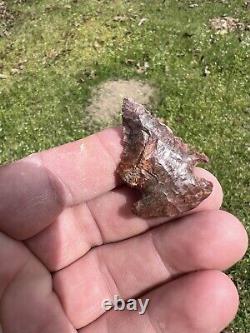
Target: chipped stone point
(160,165)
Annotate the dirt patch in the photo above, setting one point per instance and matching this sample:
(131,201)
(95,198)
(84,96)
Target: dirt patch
(6,18)
(224,25)
(107,99)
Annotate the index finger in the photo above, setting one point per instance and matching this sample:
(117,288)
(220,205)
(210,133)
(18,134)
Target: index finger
(85,167)
(35,189)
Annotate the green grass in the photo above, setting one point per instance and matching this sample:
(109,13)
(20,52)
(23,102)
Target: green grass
(63,49)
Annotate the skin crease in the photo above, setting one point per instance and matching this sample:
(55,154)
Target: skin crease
(68,240)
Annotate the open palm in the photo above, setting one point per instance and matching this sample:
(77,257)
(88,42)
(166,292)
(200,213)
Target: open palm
(69,240)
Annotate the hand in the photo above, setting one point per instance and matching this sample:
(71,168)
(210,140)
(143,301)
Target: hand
(69,240)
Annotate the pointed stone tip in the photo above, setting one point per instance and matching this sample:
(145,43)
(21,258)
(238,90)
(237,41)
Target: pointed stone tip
(128,103)
(129,106)
(128,100)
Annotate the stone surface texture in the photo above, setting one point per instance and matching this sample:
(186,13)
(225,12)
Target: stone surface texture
(160,165)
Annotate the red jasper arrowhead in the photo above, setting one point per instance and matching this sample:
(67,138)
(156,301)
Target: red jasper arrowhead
(160,165)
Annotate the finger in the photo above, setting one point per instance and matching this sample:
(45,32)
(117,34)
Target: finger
(205,240)
(27,301)
(35,189)
(77,230)
(201,302)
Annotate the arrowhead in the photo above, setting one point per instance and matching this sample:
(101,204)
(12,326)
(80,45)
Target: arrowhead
(160,165)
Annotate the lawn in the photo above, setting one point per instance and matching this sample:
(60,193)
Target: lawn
(54,52)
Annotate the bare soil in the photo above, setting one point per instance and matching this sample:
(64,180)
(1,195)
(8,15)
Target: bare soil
(107,99)
(223,25)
